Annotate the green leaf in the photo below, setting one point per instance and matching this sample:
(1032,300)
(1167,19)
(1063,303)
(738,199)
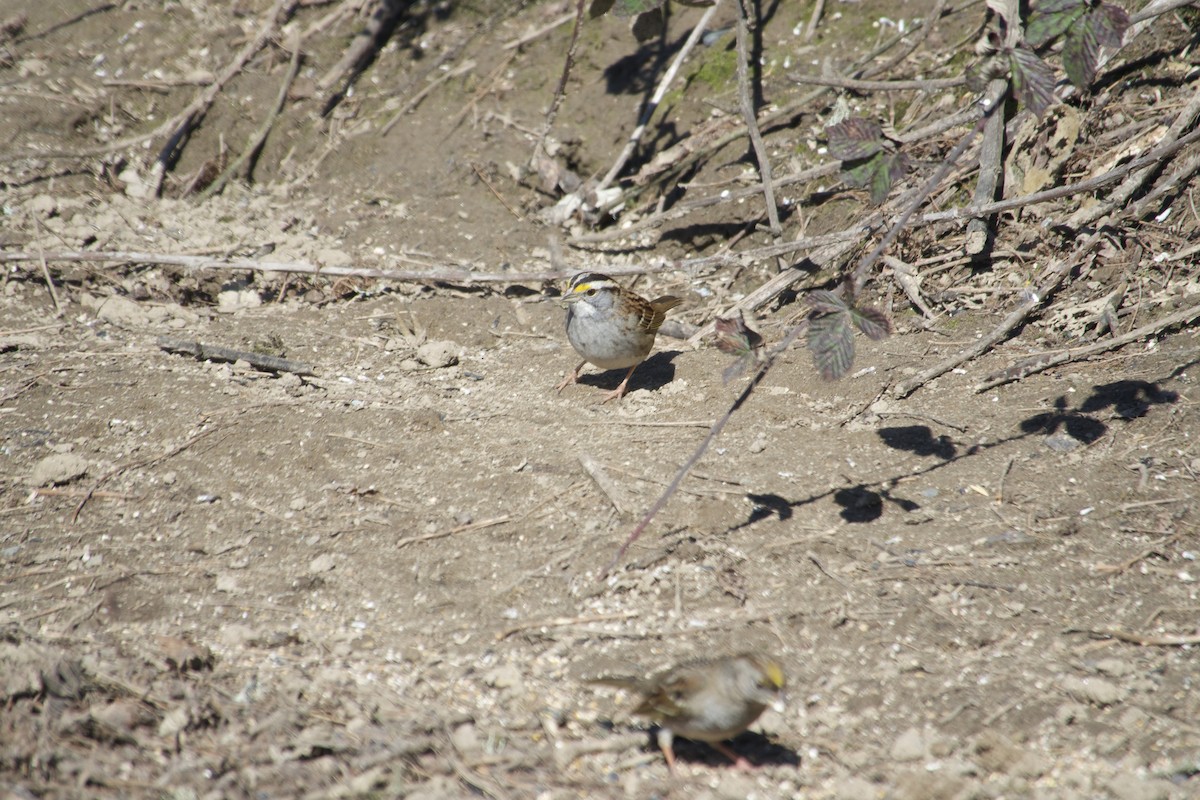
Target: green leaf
(1111,22)
(876,174)
(1050,20)
(649,25)
(854,139)
(831,342)
(872,322)
(826,302)
(1032,79)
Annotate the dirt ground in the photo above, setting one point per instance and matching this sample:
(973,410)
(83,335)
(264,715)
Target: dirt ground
(385,579)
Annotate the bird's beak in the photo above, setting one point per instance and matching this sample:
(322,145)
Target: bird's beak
(569,298)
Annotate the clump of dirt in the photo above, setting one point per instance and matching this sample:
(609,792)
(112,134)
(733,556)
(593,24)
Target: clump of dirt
(382,574)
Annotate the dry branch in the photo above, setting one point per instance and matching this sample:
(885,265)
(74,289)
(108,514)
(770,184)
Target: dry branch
(209,352)
(448,275)
(1045,361)
(1015,319)
(750,116)
(659,92)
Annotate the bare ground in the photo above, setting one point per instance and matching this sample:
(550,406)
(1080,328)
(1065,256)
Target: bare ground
(383,580)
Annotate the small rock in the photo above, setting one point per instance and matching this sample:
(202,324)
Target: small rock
(466,739)
(856,789)
(228,583)
(44,205)
(233,300)
(322,563)
(1115,667)
(910,746)
(759,444)
(1132,787)
(1061,442)
(122,311)
(506,676)
(438,354)
(735,786)
(58,469)
(1096,691)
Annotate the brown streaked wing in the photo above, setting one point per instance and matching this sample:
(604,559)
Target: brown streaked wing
(655,314)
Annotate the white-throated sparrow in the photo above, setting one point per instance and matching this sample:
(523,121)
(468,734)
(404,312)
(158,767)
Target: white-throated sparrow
(611,327)
(708,700)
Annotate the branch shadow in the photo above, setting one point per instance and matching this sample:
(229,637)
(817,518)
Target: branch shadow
(865,502)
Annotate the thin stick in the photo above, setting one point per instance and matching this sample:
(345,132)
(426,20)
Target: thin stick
(58,312)
(255,142)
(559,622)
(474,526)
(659,92)
(1156,155)
(144,462)
(185,121)
(1010,323)
(432,276)
(615,494)
(991,154)
(542,31)
(749,114)
(1029,366)
(1140,639)
(854,84)
(560,91)
(713,433)
(817,12)
(500,197)
(461,69)
(208,352)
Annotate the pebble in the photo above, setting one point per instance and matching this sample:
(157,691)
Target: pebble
(438,354)
(322,563)
(1132,787)
(1096,691)
(909,746)
(58,469)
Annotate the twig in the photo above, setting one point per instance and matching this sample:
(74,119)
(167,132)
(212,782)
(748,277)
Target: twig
(813,20)
(500,197)
(1010,323)
(208,352)
(1119,197)
(990,104)
(615,494)
(1145,640)
(1156,155)
(909,284)
(255,142)
(461,69)
(559,622)
(366,40)
(659,92)
(144,462)
(713,433)
(1029,366)
(185,121)
(991,155)
(474,526)
(560,91)
(432,276)
(750,116)
(58,312)
(537,34)
(854,84)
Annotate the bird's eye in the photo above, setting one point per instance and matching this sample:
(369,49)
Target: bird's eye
(590,292)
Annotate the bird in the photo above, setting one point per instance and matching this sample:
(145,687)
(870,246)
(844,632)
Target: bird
(610,326)
(708,700)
